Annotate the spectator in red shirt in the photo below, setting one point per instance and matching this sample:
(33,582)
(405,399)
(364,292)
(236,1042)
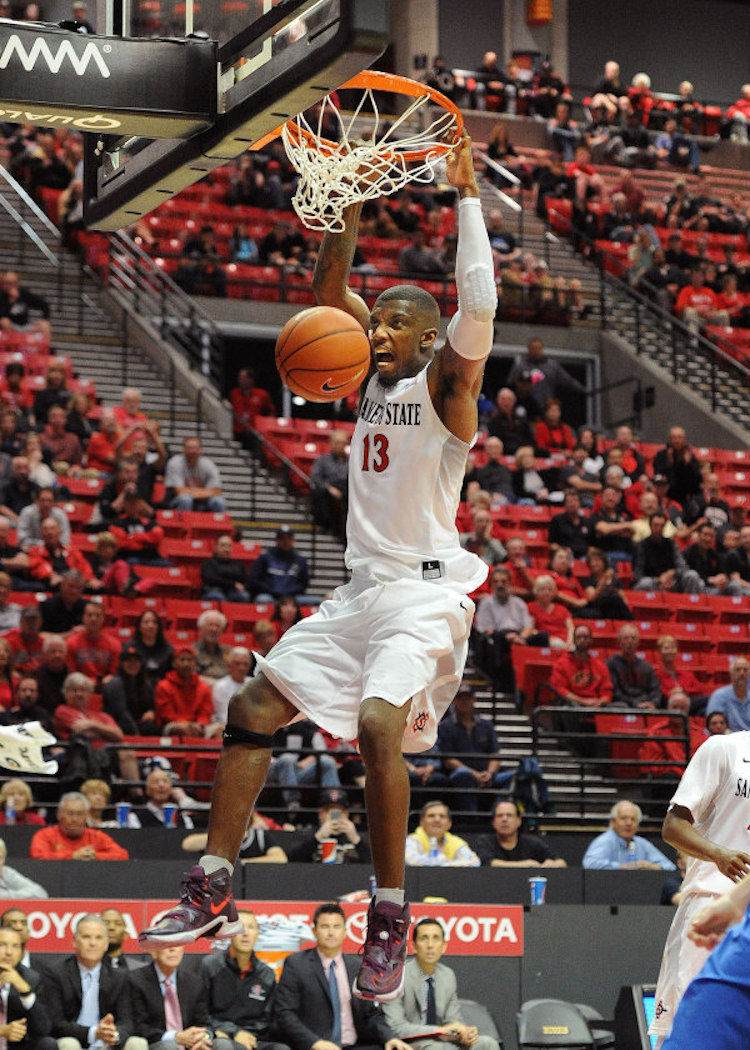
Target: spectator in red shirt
(183,701)
(549,615)
(12,393)
(658,750)
(75,715)
(101,453)
(632,461)
(50,560)
(18,793)
(551,434)
(739,116)
(128,414)
(26,641)
(248,401)
(580,678)
(697,303)
(70,839)
(64,447)
(521,576)
(570,592)
(674,679)
(92,650)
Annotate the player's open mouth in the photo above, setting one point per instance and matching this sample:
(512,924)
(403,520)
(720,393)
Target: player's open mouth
(383,357)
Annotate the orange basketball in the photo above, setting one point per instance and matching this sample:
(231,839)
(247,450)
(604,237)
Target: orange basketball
(322,354)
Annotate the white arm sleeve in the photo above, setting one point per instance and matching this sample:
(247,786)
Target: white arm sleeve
(470,329)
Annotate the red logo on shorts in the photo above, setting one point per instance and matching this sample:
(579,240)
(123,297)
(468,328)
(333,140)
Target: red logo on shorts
(420,722)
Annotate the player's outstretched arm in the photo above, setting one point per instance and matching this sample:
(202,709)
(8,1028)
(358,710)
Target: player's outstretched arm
(333,266)
(456,375)
(711,923)
(678,831)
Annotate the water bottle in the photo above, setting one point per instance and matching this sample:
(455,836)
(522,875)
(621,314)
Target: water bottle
(10,812)
(373,887)
(433,857)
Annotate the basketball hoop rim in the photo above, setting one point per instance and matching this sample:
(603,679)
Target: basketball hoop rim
(375,80)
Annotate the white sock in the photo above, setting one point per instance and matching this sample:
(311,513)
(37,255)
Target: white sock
(210,864)
(392,896)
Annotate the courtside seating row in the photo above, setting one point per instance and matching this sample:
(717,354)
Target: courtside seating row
(177,525)
(30,343)
(178,614)
(31,384)
(311,429)
(35,361)
(532,666)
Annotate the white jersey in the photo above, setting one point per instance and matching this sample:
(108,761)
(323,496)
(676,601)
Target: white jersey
(405,475)
(715,787)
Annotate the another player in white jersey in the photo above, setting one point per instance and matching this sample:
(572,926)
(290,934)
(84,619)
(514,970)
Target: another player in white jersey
(708,819)
(382,659)
(715,1010)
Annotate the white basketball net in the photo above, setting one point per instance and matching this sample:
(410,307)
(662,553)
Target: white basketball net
(335,175)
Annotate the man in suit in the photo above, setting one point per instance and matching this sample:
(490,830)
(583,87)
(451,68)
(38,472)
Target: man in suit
(88,1001)
(26,1024)
(117,932)
(170,1006)
(314,1008)
(430,1001)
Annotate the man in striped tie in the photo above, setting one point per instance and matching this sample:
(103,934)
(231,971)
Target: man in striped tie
(315,1008)
(430,1005)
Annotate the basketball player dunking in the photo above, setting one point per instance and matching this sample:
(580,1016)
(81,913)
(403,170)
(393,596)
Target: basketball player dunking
(383,658)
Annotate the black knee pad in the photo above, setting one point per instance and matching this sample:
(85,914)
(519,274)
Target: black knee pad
(238,735)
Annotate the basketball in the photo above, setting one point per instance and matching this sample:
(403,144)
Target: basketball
(322,354)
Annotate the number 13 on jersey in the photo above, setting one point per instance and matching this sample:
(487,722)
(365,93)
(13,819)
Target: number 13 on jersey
(375,453)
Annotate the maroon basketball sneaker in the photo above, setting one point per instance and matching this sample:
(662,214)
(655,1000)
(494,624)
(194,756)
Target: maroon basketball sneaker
(206,909)
(381,975)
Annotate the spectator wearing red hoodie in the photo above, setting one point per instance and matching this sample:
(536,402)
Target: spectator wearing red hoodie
(137,533)
(248,401)
(739,116)
(183,701)
(50,559)
(26,641)
(551,434)
(697,304)
(658,749)
(581,679)
(92,650)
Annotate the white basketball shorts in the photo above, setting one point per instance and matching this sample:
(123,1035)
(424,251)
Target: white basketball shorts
(681,962)
(404,642)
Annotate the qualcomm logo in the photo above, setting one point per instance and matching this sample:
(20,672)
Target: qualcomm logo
(40,49)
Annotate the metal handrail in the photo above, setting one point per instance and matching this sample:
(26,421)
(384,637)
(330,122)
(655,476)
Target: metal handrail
(682,337)
(180,321)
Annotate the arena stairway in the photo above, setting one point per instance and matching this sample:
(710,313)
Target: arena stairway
(533,236)
(575,790)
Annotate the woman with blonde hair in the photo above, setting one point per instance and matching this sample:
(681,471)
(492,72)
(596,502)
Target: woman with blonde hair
(674,679)
(550,615)
(40,471)
(99,796)
(16,795)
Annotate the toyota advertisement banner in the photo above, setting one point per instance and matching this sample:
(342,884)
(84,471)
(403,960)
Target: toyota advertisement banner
(470,929)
